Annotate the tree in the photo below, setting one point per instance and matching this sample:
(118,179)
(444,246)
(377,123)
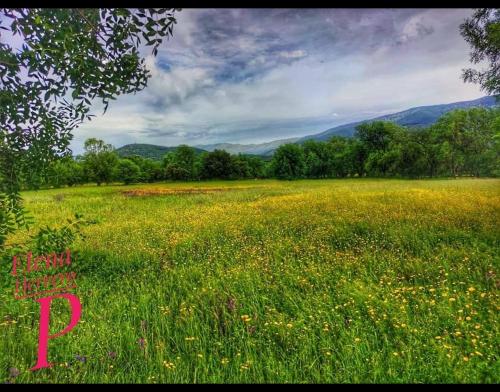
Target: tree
(240,167)
(68,59)
(217,164)
(185,156)
(494,169)
(127,171)
(289,162)
(378,138)
(342,160)
(175,172)
(358,154)
(482,33)
(318,159)
(150,170)
(180,164)
(377,135)
(482,126)
(427,140)
(408,155)
(255,164)
(465,137)
(65,171)
(99,161)
(246,166)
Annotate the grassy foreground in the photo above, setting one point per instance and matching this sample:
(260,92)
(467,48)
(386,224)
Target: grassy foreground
(267,281)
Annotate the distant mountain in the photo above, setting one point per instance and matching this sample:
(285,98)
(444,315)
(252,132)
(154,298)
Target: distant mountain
(415,117)
(252,149)
(150,151)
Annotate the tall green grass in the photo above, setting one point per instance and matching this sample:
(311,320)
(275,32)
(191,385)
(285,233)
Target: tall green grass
(267,281)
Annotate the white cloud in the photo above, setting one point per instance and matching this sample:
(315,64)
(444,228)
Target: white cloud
(217,81)
(293,54)
(175,85)
(415,28)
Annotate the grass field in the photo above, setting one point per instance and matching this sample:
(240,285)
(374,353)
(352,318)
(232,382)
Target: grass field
(267,281)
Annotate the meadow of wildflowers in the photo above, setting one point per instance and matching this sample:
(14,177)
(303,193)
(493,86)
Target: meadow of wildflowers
(357,280)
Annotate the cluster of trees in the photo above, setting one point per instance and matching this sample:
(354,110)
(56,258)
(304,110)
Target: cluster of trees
(101,165)
(462,142)
(185,164)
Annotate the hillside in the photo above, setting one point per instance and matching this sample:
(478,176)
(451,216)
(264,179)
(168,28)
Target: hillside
(253,149)
(415,117)
(150,151)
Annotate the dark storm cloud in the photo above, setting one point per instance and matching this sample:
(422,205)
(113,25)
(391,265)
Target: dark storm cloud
(234,39)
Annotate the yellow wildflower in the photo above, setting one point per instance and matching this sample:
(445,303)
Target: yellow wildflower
(169,365)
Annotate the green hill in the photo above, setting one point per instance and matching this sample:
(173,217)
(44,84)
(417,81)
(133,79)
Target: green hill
(150,151)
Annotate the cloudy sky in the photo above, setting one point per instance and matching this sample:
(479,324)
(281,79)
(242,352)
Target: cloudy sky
(251,76)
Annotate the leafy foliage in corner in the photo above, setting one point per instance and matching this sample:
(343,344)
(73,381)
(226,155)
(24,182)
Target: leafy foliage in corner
(66,59)
(482,32)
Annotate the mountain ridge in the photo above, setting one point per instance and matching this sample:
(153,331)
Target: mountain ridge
(253,149)
(418,116)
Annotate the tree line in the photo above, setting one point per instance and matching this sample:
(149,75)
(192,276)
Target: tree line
(463,142)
